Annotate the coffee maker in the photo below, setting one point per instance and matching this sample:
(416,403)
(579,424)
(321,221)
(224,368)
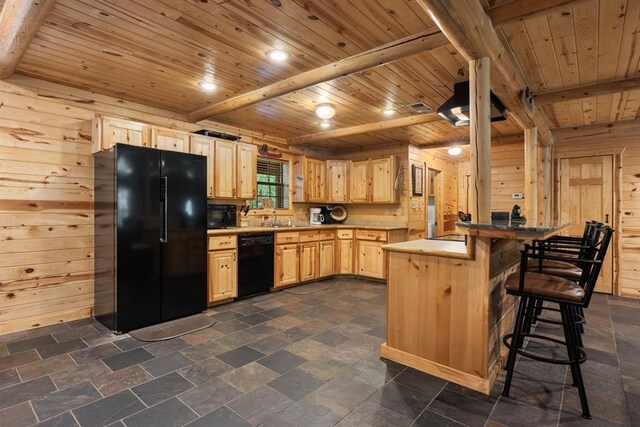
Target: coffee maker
(315,216)
(326,215)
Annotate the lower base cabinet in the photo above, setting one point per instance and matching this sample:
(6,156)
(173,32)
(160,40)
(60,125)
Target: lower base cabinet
(370,259)
(286,268)
(309,261)
(327,258)
(344,257)
(223,275)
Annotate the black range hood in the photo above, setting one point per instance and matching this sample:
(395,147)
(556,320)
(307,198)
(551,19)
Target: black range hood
(455,110)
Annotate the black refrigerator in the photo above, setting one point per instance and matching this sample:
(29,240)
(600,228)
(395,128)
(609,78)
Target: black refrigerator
(150,236)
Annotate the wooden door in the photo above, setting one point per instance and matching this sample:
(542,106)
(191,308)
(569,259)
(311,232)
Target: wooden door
(224,169)
(345,256)
(286,268)
(382,180)
(338,178)
(308,261)
(586,193)
(370,259)
(205,146)
(247,171)
(168,139)
(223,275)
(109,132)
(327,258)
(359,181)
(315,179)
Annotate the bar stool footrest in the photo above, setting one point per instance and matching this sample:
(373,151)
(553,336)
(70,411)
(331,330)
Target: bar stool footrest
(507,342)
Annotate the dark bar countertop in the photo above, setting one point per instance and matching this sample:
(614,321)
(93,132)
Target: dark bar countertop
(508,230)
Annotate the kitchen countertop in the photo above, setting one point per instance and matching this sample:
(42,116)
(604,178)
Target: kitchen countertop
(238,230)
(443,248)
(510,231)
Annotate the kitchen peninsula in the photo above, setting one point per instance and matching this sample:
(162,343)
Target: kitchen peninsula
(447,310)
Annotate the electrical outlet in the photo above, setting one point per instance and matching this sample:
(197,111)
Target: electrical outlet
(398,211)
(518,196)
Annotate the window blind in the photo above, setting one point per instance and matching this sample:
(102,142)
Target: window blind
(273,183)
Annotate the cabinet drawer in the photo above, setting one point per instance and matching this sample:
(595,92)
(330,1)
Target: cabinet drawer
(287,237)
(345,234)
(222,242)
(327,235)
(309,236)
(377,235)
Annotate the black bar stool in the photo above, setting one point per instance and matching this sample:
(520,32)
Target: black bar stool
(568,294)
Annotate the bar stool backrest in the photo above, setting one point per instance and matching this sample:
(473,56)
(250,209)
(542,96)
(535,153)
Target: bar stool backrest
(593,261)
(589,240)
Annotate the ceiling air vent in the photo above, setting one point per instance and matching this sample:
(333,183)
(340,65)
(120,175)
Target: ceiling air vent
(420,107)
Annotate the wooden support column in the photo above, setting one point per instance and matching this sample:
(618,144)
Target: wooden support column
(480,141)
(531,175)
(545,187)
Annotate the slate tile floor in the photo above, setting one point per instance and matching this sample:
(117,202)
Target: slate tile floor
(282,360)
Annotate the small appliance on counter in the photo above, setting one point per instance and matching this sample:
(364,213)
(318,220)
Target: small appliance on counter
(333,214)
(516,216)
(221,216)
(315,216)
(464,217)
(500,218)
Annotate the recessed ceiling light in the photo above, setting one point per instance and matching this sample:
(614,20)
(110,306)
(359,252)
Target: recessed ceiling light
(277,55)
(325,111)
(207,85)
(388,111)
(454,151)
(325,125)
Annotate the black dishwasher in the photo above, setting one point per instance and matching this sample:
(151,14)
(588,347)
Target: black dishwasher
(255,263)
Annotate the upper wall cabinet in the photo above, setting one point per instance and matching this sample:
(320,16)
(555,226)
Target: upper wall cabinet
(359,181)
(372,180)
(204,146)
(310,177)
(338,179)
(108,132)
(225,170)
(247,168)
(169,139)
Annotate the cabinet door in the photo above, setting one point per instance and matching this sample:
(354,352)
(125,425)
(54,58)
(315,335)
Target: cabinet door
(204,146)
(223,275)
(167,139)
(247,171)
(224,183)
(345,256)
(359,181)
(286,269)
(338,178)
(327,258)
(109,132)
(308,261)
(383,174)
(314,180)
(370,259)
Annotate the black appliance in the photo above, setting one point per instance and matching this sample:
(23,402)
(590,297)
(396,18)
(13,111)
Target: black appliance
(150,236)
(500,218)
(221,216)
(220,135)
(255,263)
(455,110)
(325,211)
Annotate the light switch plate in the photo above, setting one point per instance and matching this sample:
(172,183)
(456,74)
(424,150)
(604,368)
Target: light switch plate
(518,195)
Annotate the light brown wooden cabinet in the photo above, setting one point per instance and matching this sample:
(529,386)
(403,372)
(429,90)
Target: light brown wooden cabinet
(344,252)
(108,132)
(205,146)
(310,180)
(286,265)
(224,167)
(326,258)
(309,261)
(370,259)
(223,275)
(372,180)
(338,181)
(169,139)
(247,157)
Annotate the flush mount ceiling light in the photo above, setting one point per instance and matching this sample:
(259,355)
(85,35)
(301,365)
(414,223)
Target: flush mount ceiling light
(325,111)
(325,125)
(208,85)
(388,111)
(277,55)
(454,151)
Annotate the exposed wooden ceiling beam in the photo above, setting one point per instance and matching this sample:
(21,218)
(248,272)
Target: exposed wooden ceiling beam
(366,128)
(519,10)
(20,20)
(502,139)
(603,131)
(596,89)
(381,55)
(469,29)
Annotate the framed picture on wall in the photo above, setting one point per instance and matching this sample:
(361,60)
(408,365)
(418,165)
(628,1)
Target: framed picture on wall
(417,180)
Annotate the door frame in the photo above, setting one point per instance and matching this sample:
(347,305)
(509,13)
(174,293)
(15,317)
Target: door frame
(616,153)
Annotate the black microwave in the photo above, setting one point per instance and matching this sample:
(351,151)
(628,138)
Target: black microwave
(221,216)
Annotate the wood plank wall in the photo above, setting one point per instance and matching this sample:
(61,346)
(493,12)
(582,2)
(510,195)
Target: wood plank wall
(507,177)
(626,266)
(46,196)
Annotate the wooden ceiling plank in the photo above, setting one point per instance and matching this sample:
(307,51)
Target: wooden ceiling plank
(598,131)
(469,29)
(542,44)
(374,57)
(20,20)
(369,127)
(603,88)
(520,10)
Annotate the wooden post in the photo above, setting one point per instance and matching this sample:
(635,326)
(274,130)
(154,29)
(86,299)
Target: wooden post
(532,170)
(480,141)
(545,187)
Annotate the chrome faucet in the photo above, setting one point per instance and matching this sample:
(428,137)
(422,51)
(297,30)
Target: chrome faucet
(289,221)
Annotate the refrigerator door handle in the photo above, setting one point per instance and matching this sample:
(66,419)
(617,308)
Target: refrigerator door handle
(164,199)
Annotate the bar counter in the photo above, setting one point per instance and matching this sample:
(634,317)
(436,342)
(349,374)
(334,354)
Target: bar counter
(447,310)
